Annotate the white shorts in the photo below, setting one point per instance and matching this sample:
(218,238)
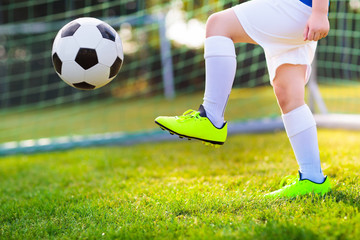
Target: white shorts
(278,26)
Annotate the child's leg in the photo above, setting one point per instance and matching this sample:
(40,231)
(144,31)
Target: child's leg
(289,87)
(207,124)
(226,24)
(222,30)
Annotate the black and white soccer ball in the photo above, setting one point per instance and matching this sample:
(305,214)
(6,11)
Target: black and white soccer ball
(87,53)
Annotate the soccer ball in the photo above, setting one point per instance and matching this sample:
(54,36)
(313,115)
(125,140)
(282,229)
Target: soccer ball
(87,53)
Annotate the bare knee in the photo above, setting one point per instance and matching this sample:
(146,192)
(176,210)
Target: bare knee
(288,98)
(215,25)
(282,96)
(289,86)
(226,23)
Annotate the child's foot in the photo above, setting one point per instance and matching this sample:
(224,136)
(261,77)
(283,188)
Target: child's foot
(298,187)
(194,125)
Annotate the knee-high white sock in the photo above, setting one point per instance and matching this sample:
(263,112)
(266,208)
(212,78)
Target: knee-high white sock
(220,66)
(301,129)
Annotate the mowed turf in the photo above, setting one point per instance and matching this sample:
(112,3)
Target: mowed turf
(179,190)
(119,115)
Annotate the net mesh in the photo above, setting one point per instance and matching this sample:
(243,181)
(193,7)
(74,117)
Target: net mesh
(163,70)
(338,58)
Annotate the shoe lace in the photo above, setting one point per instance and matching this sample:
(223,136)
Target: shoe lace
(190,114)
(288,180)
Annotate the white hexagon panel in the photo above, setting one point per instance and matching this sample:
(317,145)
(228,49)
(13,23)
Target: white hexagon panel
(67,48)
(96,75)
(72,73)
(88,36)
(105,52)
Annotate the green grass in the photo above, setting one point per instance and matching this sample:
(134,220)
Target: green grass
(122,115)
(179,190)
(115,115)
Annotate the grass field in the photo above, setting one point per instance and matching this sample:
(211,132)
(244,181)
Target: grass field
(179,190)
(122,115)
(139,114)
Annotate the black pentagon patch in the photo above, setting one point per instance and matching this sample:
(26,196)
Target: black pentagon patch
(114,69)
(86,58)
(84,86)
(70,30)
(57,63)
(107,32)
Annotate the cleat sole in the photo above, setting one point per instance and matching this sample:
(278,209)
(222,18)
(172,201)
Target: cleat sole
(211,144)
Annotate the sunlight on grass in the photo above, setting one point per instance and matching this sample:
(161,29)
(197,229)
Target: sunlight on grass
(179,190)
(139,114)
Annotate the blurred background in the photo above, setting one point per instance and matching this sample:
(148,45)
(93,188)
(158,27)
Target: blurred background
(162,74)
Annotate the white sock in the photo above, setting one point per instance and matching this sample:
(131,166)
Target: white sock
(301,129)
(220,66)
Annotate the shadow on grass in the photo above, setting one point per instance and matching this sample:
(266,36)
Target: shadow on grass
(350,197)
(277,230)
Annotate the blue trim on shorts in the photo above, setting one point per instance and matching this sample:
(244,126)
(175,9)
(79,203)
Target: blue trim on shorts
(307,2)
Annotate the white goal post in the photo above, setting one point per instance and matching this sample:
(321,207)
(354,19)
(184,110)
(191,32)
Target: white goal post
(323,118)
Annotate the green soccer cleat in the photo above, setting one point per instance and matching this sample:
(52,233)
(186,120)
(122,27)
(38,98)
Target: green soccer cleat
(298,187)
(194,125)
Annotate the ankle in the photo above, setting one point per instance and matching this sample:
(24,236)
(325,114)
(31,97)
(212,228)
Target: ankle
(215,119)
(317,177)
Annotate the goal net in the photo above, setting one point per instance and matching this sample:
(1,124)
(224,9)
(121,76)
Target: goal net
(163,73)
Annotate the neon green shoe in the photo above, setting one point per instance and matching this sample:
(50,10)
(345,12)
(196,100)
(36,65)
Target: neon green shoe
(298,187)
(194,125)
